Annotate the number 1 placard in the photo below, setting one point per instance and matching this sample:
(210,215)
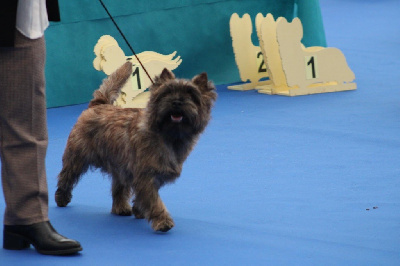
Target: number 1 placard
(298,70)
(110,56)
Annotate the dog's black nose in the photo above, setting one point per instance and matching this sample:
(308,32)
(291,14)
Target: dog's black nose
(177,103)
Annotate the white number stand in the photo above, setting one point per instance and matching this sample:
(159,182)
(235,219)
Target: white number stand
(296,70)
(248,57)
(109,57)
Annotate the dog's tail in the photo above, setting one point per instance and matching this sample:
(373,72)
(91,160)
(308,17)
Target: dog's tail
(111,87)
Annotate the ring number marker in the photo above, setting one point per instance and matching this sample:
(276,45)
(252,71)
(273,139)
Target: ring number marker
(136,84)
(311,67)
(260,62)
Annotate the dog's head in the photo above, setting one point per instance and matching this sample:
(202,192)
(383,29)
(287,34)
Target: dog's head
(180,108)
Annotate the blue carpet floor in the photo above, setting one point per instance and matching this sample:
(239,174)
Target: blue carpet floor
(274,180)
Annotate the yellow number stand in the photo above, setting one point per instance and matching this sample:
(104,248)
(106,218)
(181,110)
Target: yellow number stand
(109,56)
(248,57)
(296,70)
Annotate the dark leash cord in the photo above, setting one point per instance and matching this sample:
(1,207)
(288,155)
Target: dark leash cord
(123,36)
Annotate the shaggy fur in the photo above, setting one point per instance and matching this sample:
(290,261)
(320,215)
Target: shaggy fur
(141,149)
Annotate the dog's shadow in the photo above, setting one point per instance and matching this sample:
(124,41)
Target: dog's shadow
(95,220)
(97,223)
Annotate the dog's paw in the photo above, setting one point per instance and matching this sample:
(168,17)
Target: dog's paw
(138,213)
(62,197)
(162,225)
(122,211)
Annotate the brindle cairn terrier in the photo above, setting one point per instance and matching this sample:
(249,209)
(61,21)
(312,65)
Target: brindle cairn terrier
(142,149)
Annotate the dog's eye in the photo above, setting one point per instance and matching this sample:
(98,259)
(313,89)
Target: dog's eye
(194,94)
(161,95)
(196,97)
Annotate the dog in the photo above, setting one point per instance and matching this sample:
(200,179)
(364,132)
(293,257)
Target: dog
(141,149)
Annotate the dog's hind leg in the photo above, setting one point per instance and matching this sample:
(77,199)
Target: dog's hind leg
(121,194)
(73,167)
(137,211)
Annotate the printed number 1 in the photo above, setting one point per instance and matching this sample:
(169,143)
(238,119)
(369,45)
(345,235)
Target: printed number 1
(311,67)
(136,73)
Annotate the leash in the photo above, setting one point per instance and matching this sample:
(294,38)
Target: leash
(123,36)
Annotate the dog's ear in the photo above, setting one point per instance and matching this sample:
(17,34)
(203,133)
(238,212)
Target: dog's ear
(166,74)
(161,79)
(201,80)
(206,87)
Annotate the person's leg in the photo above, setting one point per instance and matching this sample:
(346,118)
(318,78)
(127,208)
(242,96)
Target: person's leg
(23,144)
(23,131)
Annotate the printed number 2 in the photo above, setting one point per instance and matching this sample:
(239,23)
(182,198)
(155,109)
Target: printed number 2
(136,73)
(262,67)
(311,67)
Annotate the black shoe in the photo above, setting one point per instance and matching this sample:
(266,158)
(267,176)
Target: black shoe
(42,236)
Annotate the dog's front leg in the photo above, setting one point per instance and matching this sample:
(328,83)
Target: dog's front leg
(148,201)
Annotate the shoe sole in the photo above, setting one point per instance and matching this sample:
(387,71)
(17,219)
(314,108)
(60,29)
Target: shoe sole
(59,252)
